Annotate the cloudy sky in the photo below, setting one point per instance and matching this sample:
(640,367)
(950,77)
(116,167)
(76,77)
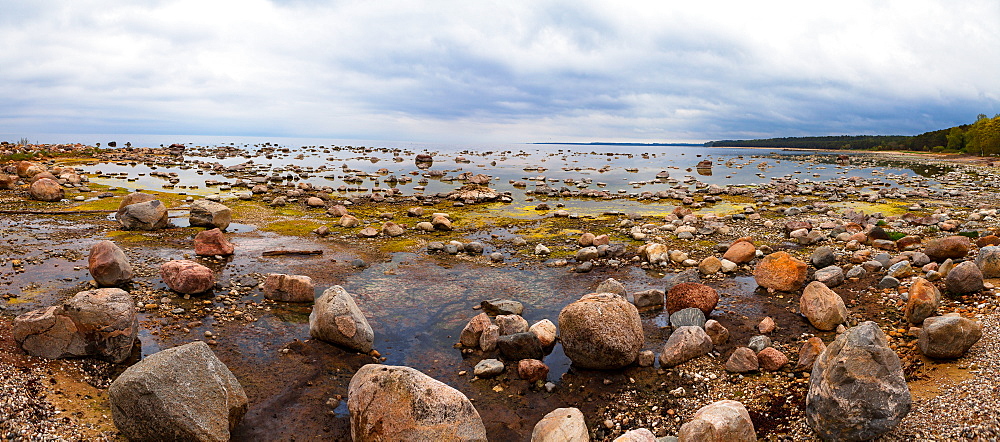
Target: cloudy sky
(507,71)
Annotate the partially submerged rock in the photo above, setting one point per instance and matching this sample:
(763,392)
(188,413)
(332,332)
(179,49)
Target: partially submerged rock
(187,277)
(289,288)
(601,331)
(108,265)
(205,213)
(336,319)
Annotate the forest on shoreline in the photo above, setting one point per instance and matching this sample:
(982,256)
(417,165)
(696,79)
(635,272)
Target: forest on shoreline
(981,138)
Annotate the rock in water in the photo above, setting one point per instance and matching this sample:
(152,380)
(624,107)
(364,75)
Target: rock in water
(211,243)
(601,331)
(399,403)
(824,308)
(474,330)
(948,337)
(561,425)
(722,421)
(182,393)
(780,271)
(857,390)
(336,319)
(108,265)
(100,323)
(187,277)
(612,285)
(205,213)
(289,288)
(46,189)
(149,215)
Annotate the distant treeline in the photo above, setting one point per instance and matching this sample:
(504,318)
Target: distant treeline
(979,138)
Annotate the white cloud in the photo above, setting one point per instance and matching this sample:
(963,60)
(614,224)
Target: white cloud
(510,71)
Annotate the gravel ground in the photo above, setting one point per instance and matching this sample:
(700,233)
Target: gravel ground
(968,410)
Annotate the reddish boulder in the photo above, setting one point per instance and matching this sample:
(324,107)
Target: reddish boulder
(692,294)
(810,350)
(740,252)
(922,302)
(211,243)
(46,189)
(108,265)
(940,249)
(532,370)
(771,359)
(7,182)
(188,277)
(780,271)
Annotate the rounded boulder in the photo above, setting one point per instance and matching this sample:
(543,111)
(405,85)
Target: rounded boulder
(601,331)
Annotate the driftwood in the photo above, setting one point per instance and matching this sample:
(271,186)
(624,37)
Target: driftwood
(291,252)
(49,212)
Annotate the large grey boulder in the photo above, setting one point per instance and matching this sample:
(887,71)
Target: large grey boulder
(722,421)
(108,265)
(948,336)
(181,393)
(601,331)
(100,323)
(402,404)
(205,213)
(857,390)
(149,215)
(336,319)
(561,425)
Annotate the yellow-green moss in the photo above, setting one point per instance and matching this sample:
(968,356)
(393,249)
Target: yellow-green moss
(292,227)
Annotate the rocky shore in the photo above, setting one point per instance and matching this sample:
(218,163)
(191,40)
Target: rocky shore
(531,309)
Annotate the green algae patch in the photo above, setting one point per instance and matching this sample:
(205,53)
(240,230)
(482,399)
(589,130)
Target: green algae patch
(887,209)
(293,227)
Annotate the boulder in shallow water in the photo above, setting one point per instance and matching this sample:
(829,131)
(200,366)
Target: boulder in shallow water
(601,331)
(212,243)
(187,277)
(181,393)
(336,319)
(149,215)
(205,213)
(289,288)
(400,403)
(108,265)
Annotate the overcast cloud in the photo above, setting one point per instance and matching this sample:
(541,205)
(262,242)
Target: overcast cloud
(468,71)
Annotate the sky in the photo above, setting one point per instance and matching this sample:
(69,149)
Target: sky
(506,71)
